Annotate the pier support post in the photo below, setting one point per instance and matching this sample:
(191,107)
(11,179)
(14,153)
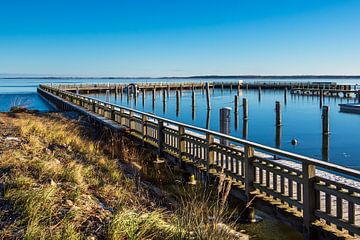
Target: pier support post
(225,124)
(259,92)
(325,120)
(208,96)
(309,201)
(193,98)
(164,100)
(236,104)
(239,88)
(245,109)
(278,113)
(177,102)
(143,96)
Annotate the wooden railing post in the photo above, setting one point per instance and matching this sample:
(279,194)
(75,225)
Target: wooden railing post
(210,153)
(181,143)
(144,125)
(309,200)
(112,113)
(131,116)
(161,138)
(249,171)
(121,116)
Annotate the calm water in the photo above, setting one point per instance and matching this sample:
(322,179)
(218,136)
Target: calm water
(301,114)
(301,120)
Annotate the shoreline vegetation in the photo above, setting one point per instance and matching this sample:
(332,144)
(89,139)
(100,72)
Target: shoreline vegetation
(59,180)
(200,77)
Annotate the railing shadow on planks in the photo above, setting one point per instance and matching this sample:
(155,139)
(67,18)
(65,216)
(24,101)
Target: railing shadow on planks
(321,192)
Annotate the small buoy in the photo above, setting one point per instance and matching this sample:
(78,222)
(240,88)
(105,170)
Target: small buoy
(294,142)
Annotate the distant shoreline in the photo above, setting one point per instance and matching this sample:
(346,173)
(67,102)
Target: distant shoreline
(208,77)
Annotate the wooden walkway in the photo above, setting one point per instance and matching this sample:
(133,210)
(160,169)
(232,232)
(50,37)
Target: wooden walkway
(324,194)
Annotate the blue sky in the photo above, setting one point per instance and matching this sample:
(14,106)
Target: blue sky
(179,38)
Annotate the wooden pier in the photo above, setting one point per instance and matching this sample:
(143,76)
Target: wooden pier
(350,108)
(320,199)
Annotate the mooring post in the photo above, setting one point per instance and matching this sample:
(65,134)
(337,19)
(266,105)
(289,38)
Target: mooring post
(259,92)
(177,102)
(193,99)
(325,120)
(309,199)
(239,87)
(236,103)
(225,124)
(278,113)
(230,87)
(208,96)
(245,109)
(222,87)
(285,95)
(164,100)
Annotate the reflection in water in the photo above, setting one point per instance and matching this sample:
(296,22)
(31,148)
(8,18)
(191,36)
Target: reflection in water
(325,147)
(208,119)
(245,129)
(278,136)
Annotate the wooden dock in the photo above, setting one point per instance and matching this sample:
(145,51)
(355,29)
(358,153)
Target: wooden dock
(319,198)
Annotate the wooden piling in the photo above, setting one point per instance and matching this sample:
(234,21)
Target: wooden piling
(164,100)
(177,102)
(285,95)
(236,103)
(143,96)
(208,96)
(225,124)
(245,109)
(278,113)
(259,92)
(193,98)
(325,120)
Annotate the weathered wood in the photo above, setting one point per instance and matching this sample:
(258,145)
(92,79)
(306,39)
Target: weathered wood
(245,109)
(325,120)
(309,200)
(208,96)
(278,114)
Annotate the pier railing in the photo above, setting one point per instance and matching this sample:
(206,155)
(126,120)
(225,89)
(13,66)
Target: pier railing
(322,192)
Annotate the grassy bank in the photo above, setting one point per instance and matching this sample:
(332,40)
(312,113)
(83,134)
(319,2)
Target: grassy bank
(56,182)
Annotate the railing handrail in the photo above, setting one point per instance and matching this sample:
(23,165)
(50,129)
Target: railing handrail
(293,156)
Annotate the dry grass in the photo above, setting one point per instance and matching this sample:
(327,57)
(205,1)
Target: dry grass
(58,184)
